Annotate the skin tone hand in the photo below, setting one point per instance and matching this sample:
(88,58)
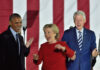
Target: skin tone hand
(74,56)
(35,57)
(60,47)
(95,53)
(29,42)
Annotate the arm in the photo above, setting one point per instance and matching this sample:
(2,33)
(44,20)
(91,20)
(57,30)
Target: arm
(27,46)
(94,52)
(93,45)
(26,52)
(70,53)
(37,58)
(3,48)
(66,39)
(66,50)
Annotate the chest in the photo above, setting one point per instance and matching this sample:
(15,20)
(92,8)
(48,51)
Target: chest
(51,53)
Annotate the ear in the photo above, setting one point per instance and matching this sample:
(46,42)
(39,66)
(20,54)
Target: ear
(55,35)
(85,21)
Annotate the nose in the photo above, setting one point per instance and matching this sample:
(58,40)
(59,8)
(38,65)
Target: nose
(19,24)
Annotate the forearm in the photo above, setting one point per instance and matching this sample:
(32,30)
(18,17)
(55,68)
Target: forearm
(26,52)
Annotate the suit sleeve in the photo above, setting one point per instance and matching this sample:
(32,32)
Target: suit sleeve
(93,41)
(2,52)
(26,50)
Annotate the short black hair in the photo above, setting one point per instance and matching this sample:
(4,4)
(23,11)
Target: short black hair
(14,15)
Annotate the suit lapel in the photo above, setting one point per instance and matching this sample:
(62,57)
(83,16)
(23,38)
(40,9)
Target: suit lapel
(85,37)
(11,37)
(75,38)
(20,44)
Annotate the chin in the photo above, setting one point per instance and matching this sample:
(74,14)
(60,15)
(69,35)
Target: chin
(49,41)
(18,31)
(79,28)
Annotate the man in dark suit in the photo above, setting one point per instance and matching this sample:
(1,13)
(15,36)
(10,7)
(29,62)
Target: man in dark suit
(82,41)
(12,47)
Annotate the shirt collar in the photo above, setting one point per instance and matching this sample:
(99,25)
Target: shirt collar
(79,30)
(13,32)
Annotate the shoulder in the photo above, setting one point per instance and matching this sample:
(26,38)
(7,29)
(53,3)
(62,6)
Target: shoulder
(44,44)
(61,42)
(5,34)
(89,31)
(69,30)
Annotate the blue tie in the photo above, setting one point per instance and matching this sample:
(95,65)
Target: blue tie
(18,43)
(80,40)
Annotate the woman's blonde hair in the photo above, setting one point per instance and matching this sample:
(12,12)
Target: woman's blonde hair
(54,28)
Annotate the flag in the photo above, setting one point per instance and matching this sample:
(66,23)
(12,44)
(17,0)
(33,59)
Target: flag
(37,13)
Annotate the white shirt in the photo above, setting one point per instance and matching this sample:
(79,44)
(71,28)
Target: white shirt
(13,32)
(77,32)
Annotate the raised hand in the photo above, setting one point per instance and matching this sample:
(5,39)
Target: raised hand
(29,42)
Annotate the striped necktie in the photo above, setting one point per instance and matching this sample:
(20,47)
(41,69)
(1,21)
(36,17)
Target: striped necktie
(80,40)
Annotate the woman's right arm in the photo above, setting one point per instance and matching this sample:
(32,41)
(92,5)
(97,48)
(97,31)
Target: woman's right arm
(37,58)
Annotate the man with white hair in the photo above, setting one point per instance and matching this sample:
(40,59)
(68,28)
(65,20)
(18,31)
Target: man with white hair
(81,40)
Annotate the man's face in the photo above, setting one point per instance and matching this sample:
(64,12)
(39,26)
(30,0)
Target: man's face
(79,21)
(16,24)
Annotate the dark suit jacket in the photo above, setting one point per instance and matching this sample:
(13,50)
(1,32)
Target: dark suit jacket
(83,57)
(9,57)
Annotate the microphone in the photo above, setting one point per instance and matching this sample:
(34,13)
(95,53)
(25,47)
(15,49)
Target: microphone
(70,27)
(24,25)
(24,28)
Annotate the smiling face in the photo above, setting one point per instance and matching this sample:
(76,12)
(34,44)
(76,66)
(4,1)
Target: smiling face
(50,35)
(16,24)
(79,21)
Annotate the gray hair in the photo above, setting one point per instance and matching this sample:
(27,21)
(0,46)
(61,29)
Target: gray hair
(79,13)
